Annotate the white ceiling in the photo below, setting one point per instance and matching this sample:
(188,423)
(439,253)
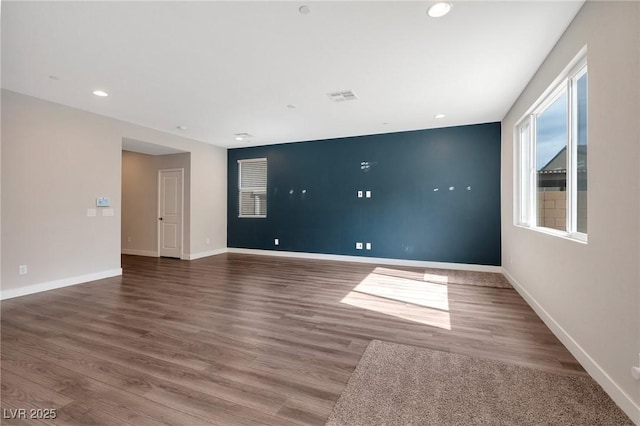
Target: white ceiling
(221,68)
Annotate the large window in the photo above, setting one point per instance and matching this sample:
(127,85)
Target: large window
(252,187)
(552,158)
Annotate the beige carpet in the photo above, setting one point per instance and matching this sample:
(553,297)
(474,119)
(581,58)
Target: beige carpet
(446,276)
(450,276)
(405,385)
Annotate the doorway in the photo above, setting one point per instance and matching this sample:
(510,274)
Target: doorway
(141,166)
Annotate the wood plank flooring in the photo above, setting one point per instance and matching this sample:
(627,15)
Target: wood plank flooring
(241,340)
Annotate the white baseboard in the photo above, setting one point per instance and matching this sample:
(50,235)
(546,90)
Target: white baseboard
(194,256)
(185,256)
(134,252)
(619,396)
(52,285)
(373,260)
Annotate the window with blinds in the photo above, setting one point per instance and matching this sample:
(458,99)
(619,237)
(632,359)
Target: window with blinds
(252,187)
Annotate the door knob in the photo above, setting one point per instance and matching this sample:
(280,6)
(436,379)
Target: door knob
(159,218)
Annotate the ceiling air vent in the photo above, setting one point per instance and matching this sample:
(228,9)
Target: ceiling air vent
(345,95)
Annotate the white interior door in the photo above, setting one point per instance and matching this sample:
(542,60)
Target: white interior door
(170,212)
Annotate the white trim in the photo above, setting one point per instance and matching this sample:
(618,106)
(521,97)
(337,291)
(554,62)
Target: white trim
(133,252)
(577,237)
(578,61)
(251,160)
(242,190)
(202,254)
(373,260)
(619,396)
(52,285)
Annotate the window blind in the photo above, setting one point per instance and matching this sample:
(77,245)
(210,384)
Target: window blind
(252,186)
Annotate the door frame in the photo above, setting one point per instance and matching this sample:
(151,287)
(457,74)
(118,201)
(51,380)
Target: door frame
(158,230)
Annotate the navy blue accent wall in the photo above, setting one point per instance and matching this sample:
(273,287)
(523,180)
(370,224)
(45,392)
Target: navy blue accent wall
(406,217)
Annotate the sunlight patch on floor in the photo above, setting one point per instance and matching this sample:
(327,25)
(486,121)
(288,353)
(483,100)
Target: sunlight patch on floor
(403,294)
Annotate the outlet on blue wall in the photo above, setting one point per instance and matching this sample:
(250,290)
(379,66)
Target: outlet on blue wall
(435,196)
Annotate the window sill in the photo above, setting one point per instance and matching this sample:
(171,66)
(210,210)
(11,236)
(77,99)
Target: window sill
(576,237)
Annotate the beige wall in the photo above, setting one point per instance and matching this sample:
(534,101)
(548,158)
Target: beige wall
(140,200)
(55,162)
(209,202)
(0,167)
(589,293)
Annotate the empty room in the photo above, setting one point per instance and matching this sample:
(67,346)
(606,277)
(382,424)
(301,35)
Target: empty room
(320,213)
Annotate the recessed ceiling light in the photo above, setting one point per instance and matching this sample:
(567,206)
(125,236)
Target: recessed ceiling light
(439,116)
(438,10)
(305,10)
(181,127)
(242,136)
(100,93)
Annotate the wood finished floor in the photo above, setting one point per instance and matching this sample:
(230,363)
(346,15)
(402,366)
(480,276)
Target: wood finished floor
(241,340)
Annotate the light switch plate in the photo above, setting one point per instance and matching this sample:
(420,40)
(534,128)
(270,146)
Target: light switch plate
(358,246)
(103,202)
(368,246)
(359,194)
(91,212)
(107,212)
(368,194)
